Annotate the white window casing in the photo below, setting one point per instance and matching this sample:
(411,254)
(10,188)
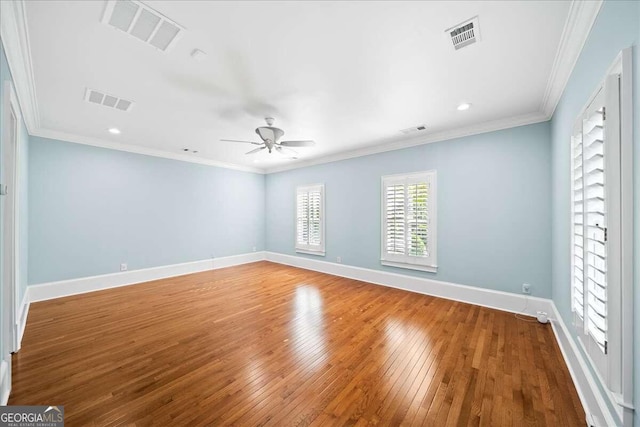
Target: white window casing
(309,236)
(601,197)
(409,221)
(594,302)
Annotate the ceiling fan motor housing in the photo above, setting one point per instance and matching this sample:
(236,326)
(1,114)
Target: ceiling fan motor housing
(269,135)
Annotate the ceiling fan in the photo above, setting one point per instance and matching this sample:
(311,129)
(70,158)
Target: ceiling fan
(271,140)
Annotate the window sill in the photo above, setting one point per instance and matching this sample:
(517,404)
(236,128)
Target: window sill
(427,268)
(309,252)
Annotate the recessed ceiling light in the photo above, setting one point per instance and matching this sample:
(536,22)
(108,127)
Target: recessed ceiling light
(464,106)
(114,131)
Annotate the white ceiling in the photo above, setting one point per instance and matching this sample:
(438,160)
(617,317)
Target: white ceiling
(345,74)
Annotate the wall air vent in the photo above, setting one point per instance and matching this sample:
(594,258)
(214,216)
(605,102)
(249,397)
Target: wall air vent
(464,34)
(415,129)
(142,22)
(96,97)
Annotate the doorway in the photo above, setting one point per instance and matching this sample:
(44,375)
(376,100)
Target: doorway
(11,121)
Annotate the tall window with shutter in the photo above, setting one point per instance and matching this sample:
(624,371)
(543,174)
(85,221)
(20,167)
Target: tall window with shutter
(310,219)
(595,214)
(409,221)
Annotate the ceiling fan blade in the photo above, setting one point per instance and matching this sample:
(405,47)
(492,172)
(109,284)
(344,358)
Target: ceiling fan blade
(297,143)
(255,150)
(287,152)
(236,140)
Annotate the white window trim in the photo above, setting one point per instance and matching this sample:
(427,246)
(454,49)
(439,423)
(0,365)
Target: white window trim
(409,266)
(622,401)
(309,249)
(429,264)
(624,63)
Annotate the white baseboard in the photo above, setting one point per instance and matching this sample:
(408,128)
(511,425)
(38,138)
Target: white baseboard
(470,294)
(5,382)
(592,400)
(22,316)
(63,288)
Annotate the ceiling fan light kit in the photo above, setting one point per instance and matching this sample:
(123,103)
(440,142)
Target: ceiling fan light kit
(271,140)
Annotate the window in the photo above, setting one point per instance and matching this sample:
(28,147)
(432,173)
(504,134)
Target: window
(596,231)
(310,219)
(409,221)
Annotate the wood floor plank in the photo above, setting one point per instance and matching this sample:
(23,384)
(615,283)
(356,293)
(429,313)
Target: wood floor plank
(266,344)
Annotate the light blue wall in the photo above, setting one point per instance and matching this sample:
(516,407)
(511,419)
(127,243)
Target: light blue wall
(91,209)
(493,208)
(22,177)
(616,28)
(503,204)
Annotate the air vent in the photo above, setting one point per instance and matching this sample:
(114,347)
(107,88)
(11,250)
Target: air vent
(143,23)
(97,97)
(465,34)
(415,129)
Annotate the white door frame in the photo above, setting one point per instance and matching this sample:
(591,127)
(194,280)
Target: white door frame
(10,205)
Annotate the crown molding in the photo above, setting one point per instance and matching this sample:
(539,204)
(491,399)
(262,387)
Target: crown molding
(14,32)
(580,20)
(15,40)
(397,144)
(389,145)
(581,17)
(137,149)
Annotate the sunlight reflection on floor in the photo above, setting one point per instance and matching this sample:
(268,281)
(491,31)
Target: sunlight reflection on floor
(308,334)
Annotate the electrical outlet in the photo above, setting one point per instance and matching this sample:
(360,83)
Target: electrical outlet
(526,288)
(123,267)
(254,249)
(339,259)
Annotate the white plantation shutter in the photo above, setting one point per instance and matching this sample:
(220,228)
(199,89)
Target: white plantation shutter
(310,219)
(577,299)
(315,201)
(302,231)
(601,238)
(596,219)
(408,221)
(589,281)
(418,218)
(395,240)
(595,222)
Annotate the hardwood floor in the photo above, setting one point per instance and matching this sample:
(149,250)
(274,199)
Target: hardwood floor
(267,344)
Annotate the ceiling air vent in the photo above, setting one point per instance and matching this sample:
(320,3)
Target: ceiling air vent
(142,22)
(415,129)
(465,34)
(97,97)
